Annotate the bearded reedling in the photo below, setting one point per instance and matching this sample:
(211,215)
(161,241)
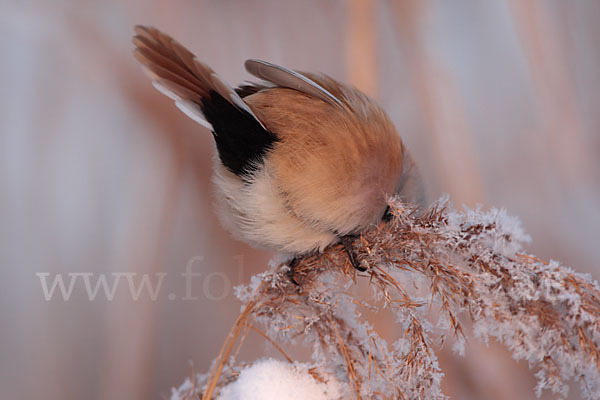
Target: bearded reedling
(304,161)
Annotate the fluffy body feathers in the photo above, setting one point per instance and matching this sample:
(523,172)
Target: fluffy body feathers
(303,160)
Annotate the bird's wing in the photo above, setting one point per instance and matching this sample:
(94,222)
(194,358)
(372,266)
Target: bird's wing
(288,78)
(201,94)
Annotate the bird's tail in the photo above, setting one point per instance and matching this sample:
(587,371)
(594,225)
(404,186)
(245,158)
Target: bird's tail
(178,74)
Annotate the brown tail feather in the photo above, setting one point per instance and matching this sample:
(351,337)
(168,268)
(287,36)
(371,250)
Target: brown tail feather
(157,52)
(176,72)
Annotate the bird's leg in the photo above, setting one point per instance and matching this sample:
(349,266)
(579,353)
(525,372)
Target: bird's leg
(387,215)
(290,273)
(347,242)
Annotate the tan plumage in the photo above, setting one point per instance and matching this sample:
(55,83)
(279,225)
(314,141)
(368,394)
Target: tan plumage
(303,159)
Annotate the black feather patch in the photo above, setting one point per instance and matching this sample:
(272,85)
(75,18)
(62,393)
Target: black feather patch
(241,141)
(247,90)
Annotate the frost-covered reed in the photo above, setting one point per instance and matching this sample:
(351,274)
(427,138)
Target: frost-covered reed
(432,268)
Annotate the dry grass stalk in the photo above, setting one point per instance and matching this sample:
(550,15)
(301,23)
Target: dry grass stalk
(472,263)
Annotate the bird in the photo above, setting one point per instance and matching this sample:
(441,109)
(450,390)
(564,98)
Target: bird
(302,160)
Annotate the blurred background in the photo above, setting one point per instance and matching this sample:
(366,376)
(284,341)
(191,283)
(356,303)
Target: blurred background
(101,175)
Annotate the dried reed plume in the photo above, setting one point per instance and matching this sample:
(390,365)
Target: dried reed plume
(468,263)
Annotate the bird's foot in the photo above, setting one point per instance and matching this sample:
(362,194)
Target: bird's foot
(347,242)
